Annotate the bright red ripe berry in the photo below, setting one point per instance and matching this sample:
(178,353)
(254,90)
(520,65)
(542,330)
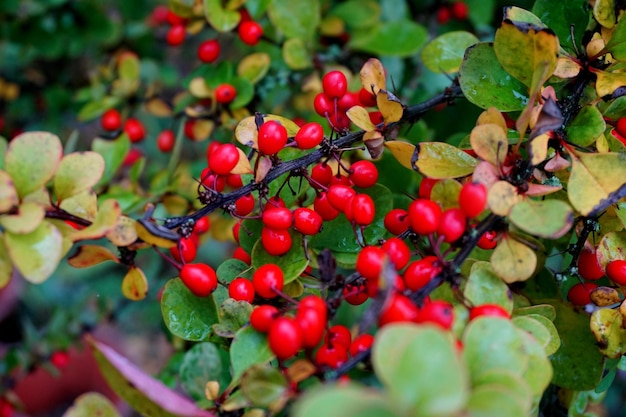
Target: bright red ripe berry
(241,289)
(277,218)
(212,181)
(199,278)
(262,317)
(236,229)
(488,240)
(309,136)
(364,174)
(159,15)
(323,105)
(185,251)
(314,302)
(307,221)
(111,120)
(339,335)
(399,308)
(361,343)
(459,10)
(202,225)
(348,101)
(189,132)
(452,225)
(488,310)
(334,84)
(363,210)
(424,216)
(266,278)
(322,174)
(134,129)
(367,98)
(284,338)
(275,201)
(355,294)
(323,207)
(376,117)
(420,272)
(173,19)
(276,242)
(443,15)
(437,312)
(398,252)
(225,93)
(133,155)
(338,196)
(60,359)
(234,180)
(242,255)
(616,271)
(620,127)
(397,221)
(223,159)
(369,262)
(426,187)
(331,356)
(341,179)
(244,205)
(176,35)
(250,32)
(6,408)
(340,122)
(312,323)
(166,140)
(272,137)
(588,265)
(209,51)
(579,294)
(473,199)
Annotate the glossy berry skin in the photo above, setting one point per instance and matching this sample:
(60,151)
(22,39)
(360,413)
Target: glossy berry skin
(588,266)
(397,221)
(266,278)
(369,262)
(276,242)
(241,289)
(199,278)
(339,335)
(242,255)
(176,35)
(202,225)
(488,240)
(135,130)
(339,195)
(364,174)
(323,207)
(420,272)
(579,294)
(225,93)
(166,141)
(616,271)
(272,137)
(331,356)
(424,216)
(473,199)
(361,343)
(111,120)
(322,174)
(376,117)
(363,210)
(398,309)
(284,338)
(278,218)
(366,98)
(620,127)
(334,84)
(250,32)
(312,323)
(262,317)
(223,159)
(244,205)
(348,101)
(309,136)
(314,302)
(398,252)
(307,221)
(452,225)
(355,295)
(323,105)
(488,310)
(173,19)
(426,187)
(209,51)
(185,251)
(437,312)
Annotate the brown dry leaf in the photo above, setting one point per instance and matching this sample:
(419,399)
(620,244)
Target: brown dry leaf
(375,143)
(90,255)
(605,296)
(158,108)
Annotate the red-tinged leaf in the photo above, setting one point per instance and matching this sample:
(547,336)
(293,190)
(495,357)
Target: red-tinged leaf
(90,255)
(105,221)
(263,167)
(374,142)
(135,284)
(8,194)
(539,190)
(28,217)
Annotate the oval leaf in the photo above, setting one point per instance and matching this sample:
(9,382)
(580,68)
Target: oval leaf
(439,160)
(445,53)
(90,255)
(513,261)
(549,218)
(254,66)
(249,348)
(77,172)
(135,284)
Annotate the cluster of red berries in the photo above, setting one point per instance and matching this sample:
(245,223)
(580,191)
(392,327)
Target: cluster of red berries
(590,270)
(457,10)
(221,160)
(111,121)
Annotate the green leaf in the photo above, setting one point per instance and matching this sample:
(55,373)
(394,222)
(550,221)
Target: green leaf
(517,14)
(548,218)
(292,263)
(145,394)
(96,108)
(439,160)
(539,372)
(611,247)
(231,269)
(249,347)
(332,400)
(400,38)
(31,160)
(511,382)
(545,310)
(489,401)
(338,236)
(8,195)
(357,14)
(251,229)
(445,53)
(264,386)
(578,364)
(6,266)
(113,152)
(245,92)
(484,286)
(3,150)
(254,66)
(542,329)
(77,172)
(201,364)
(92,404)
(36,254)
(400,349)
(487,84)
(233,315)
(604,13)
(563,18)
(185,315)
(219,18)
(296,54)
(295,18)
(481,12)
(29,216)
(586,127)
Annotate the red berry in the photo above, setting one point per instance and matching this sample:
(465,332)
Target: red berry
(437,312)
(420,272)
(398,252)
(209,51)
(488,240)
(242,255)
(341,179)
(340,122)
(275,201)
(266,278)
(241,289)
(322,174)
(424,216)
(579,294)
(363,209)
(369,262)
(236,229)
(276,242)
(277,218)
(312,323)
(452,225)
(134,129)
(398,308)
(176,35)
(60,359)
(323,207)
(244,205)
(364,174)
(443,15)
(159,15)
(307,221)
(616,271)
(348,101)
(133,155)
(331,356)
(284,338)
(185,251)
(473,199)
(234,180)
(323,105)
(225,93)
(366,98)
(250,32)
(6,408)
(355,294)
(212,181)
(426,187)
(223,159)
(488,310)
(202,225)
(309,136)
(173,19)
(189,132)
(338,196)
(262,317)
(111,120)
(459,10)
(334,84)
(316,303)
(272,137)
(620,127)
(588,265)
(339,335)
(199,278)
(166,140)
(361,343)
(397,221)
(376,117)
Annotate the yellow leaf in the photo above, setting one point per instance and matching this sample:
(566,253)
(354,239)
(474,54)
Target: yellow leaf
(389,106)
(566,67)
(135,284)
(402,151)
(124,232)
(6,266)
(202,129)
(513,261)
(490,143)
(199,88)
(608,82)
(27,218)
(502,197)
(83,205)
(373,76)
(539,149)
(604,12)
(360,117)
(157,107)
(105,221)
(493,116)
(243,165)
(605,296)
(440,160)
(90,255)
